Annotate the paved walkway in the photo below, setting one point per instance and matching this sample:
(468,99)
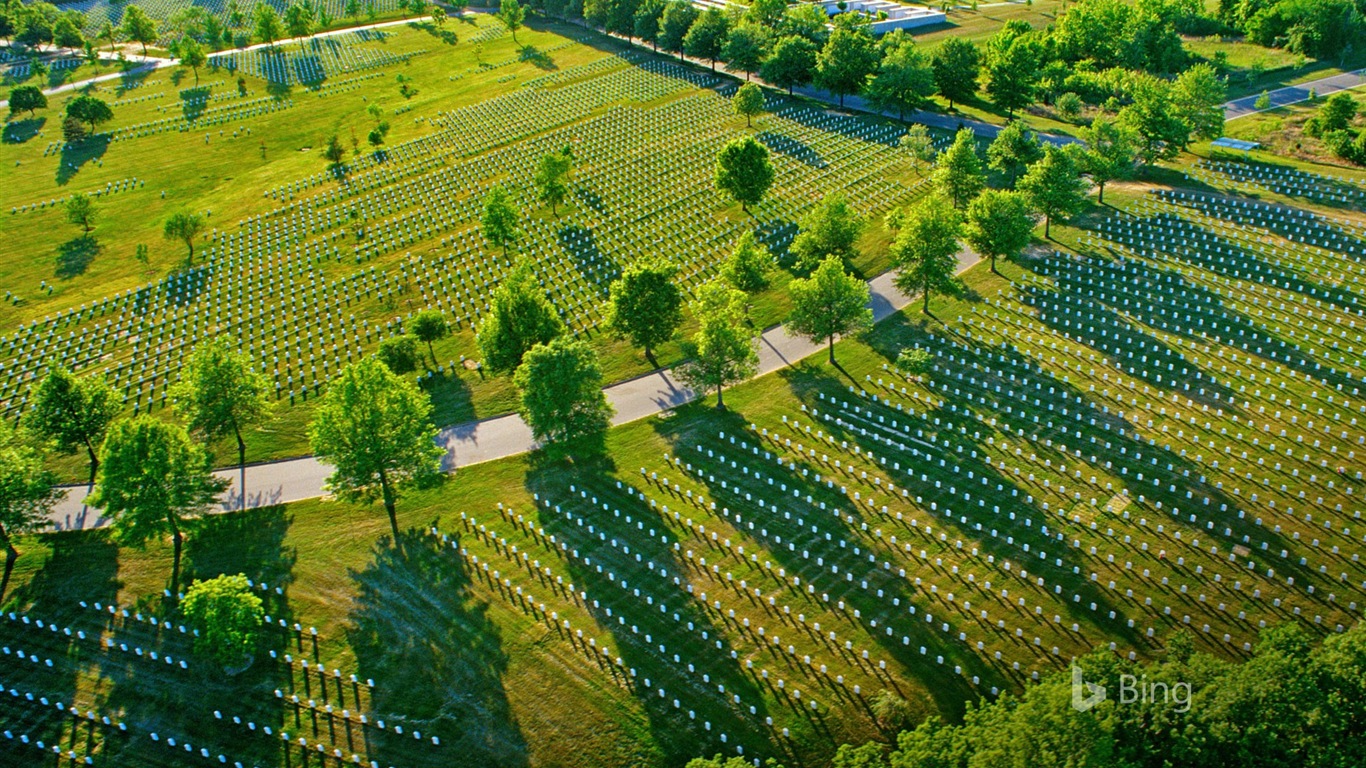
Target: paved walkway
(502,436)
(1294,94)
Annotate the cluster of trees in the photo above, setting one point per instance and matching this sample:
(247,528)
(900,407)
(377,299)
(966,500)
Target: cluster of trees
(1333,123)
(1324,29)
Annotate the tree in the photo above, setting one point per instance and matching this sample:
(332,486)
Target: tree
(830,229)
(519,318)
(439,16)
(27,494)
(66,33)
(138,27)
(90,110)
(374,427)
(352,9)
(220,393)
(904,81)
(1012,67)
(1198,96)
(73,413)
(1014,149)
(226,617)
(677,19)
(499,222)
(743,171)
(428,327)
(722,352)
(791,63)
(999,225)
(80,210)
(1111,150)
(335,153)
(561,391)
(1153,117)
(748,265)
(552,178)
(511,13)
(918,145)
(108,34)
(298,20)
(1335,114)
(925,251)
(154,480)
(957,64)
(745,47)
(377,134)
(1054,186)
(646,306)
(707,36)
(269,28)
(830,303)
(185,227)
(399,354)
(768,13)
(958,171)
(845,62)
(749,101)
(646,24)
(192,55)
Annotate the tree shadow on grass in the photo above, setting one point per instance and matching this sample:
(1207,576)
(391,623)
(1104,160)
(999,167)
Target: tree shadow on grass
(74,256)
(537,58)
(436,659)
(446,36)
(251,543)
(77,154)
(20,131)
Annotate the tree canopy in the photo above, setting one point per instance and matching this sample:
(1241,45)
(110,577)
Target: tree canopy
(846,60)
(646,305)
(561,392)
(722,352)
(185,227)
(220,393)
(520,317)
(830,229)
(227,617)
(999,225)
(1054,186)
(925,251)
(829,303)
(958,170)
(499,222)
(749,101)
(749,264)
(743,171)
(73,413)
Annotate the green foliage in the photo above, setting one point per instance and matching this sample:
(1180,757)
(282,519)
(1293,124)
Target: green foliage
(745,47)
(334,153)
(185,227)
(227,617)
(646,24)
(26,98)
(220,392)
(375,429)
(722,352)
(80,210)
(1111,150)
(918,145)
(561,392)
(499,222)
(904,81)
(1323,29)
(845,62)
(743,171)
(1012,65)
(552,178)
(1263,101)
(1068,105)
(66,33)
(1054,186)
(519,318)
(914,362)
(89,110)
(428,327)
(138,27)
(749,101)
(766,12)
(646,305)
(511,13)
(73,413)
(830,303)
(1154,118)
(749,264)
(28,492)
(707,36)
(925,251)
(298,20)
(870,755)
(1014,148)
(830,229)
(958,171)
(268,27)
(678,18)
(999,225)
(1198,96)
(399,354)
(1335,114)
(791,63)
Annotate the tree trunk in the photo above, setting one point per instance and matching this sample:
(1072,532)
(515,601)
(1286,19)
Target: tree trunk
(925,300)
(720,397)
(1047,220)
(993,264)
(831,346)
(389,504)
(178,542)
(241,466)
(1101,197)
(11,554)
(94,461)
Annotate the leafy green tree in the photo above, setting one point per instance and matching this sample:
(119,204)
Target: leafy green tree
(646,25)
(153,481)
(743,171)
(439,16)
(185,227)
(227,618)
(745,47)
(958,171)
(375,428)
(957,65)
(428,327)
(28,493)
(269,28)
(768,13)
(869,755)
(220,393)
(192,55)
(806,20)
(749,101)
(73,413)
(90,110)
(80,210)
(1068,105)
(706,37)
(830,303)
(1054,186)
(678,18)
(552,178)
(1335,114)
(511,13)
(749,264)
(519,318)
(334,153)
(66,33)
(399,354)
(1198,96)
(138,27)
(918,146)
(646,305)
(925,251)
(830,229)
(298,20)
(499,222)
(845,62)
(1153,117)
(999,225)
(561,392)
(1012,67)
(1014,149)
(1111,150)
(722,352)
(904,81)
(791,63)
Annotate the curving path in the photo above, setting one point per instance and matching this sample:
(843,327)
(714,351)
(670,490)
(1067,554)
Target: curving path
(495,438)
(1294,94)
